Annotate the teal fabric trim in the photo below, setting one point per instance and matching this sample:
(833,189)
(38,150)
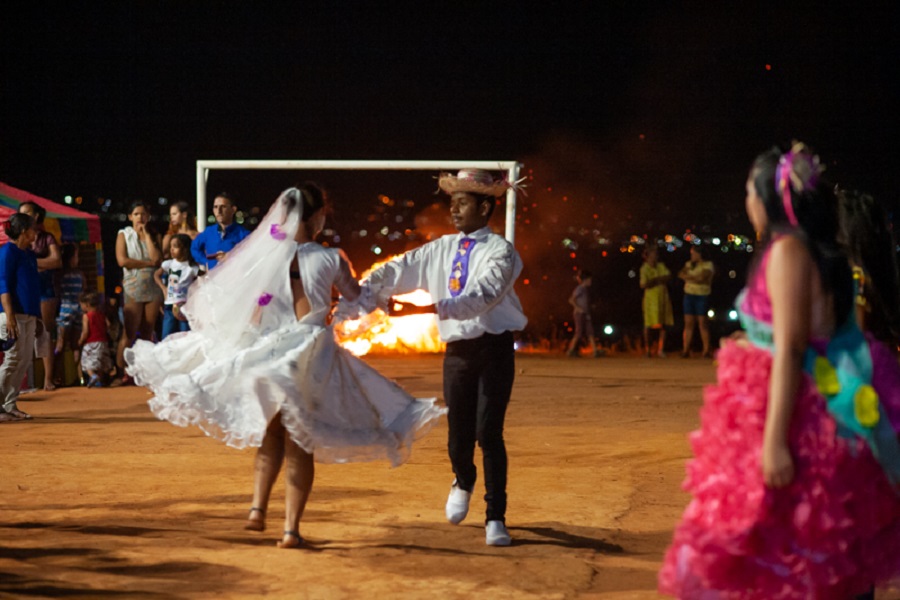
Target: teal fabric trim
(758,332)
(849,355)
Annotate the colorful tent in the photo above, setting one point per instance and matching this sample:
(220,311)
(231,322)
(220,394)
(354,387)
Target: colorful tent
(65,223)
(5,213)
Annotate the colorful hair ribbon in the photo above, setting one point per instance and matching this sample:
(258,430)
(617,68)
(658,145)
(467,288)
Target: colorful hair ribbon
(798,170)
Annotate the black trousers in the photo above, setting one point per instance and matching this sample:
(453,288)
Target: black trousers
(478,380)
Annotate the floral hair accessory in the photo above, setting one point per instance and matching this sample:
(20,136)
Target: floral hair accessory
(264,299)
(798,170)
(276,232)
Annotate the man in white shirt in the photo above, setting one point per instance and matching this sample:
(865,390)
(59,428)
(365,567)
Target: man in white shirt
(470,276)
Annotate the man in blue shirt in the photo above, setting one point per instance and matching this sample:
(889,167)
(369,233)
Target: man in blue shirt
(213,244)
(20,301)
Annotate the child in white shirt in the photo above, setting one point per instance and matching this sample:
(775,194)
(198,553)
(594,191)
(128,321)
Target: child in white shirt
(180,272)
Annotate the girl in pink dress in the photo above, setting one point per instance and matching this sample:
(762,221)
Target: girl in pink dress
(796,471)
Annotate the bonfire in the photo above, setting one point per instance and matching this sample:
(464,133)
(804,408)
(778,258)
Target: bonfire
(378,333)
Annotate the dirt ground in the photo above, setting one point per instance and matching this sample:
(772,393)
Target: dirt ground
(99,499)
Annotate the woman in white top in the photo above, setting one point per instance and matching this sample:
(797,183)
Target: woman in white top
(138,253)
(260,367)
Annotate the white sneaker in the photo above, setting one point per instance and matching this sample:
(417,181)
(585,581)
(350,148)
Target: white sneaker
(495,534)
(457,504)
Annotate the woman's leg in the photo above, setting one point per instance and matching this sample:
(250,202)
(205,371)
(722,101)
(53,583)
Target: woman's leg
(265,471)
(132,316)
(703,322)
(148,324)
(688,337)
(62,335)
(49,308)
(133,312)
(299,476)
(662,341)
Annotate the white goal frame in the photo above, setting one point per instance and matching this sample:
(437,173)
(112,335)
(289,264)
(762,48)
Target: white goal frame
(511,167)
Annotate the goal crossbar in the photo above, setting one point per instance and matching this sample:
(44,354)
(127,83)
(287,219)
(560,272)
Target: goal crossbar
(509,166)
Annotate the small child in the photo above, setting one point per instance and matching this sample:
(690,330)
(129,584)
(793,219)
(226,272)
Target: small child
(71,285)
(181,271)
(94,340)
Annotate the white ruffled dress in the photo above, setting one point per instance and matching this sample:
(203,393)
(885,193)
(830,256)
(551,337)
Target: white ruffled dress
(247,362)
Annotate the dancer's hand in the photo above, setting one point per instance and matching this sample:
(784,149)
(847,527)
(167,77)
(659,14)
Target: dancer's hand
(777,464)
(402,309)
(738,337)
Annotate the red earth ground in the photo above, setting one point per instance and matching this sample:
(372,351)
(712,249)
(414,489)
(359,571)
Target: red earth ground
(99,499)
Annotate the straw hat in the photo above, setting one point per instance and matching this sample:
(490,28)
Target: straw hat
(473,181)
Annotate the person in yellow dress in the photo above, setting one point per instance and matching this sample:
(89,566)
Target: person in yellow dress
(657,305)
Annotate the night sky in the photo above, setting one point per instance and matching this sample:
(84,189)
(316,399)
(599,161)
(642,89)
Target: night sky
(119,99)
(627,114)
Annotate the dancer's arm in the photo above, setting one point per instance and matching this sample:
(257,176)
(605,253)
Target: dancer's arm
(486,289)
(399,276)
(346,282)
(789,281)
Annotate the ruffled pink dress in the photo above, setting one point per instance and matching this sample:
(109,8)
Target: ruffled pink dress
(832,533)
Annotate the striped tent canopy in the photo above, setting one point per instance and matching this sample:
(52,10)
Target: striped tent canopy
(65,223)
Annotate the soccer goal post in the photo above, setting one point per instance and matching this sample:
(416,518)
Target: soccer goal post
(510,167)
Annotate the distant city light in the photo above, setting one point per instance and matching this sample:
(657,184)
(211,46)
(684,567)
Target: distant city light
(632,274)
(68,199)
(711,314)
(376,250)
(608,329)
(732,274)
(733,315)
(716,241)
(162,201)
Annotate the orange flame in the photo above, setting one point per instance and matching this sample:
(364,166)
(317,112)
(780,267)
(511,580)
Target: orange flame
(380,333)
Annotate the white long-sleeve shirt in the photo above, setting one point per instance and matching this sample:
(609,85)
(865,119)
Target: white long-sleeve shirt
(488,302)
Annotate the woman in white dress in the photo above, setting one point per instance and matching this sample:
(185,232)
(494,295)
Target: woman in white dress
(260,367)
